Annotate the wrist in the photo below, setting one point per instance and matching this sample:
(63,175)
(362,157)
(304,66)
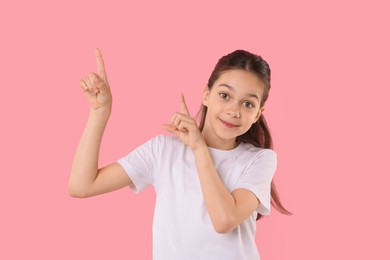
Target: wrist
(100,114)
(198,146)
(202,157)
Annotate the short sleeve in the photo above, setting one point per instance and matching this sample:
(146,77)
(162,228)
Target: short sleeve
(257,178)
(140,164)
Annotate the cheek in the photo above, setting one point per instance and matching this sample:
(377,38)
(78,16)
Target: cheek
(252,117)
(215,107)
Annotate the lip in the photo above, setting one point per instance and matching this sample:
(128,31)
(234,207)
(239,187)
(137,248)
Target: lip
(228,125)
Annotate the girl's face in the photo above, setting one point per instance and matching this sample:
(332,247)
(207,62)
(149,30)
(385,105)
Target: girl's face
(233,105)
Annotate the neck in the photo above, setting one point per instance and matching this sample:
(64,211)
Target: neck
(219,143)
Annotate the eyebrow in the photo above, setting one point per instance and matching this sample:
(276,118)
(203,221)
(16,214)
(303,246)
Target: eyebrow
(233,89)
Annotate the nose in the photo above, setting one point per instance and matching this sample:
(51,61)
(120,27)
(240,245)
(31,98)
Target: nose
(234,111)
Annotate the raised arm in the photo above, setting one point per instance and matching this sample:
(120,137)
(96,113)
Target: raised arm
(86,179)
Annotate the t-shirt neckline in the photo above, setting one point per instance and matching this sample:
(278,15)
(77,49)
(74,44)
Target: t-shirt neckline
(227,152)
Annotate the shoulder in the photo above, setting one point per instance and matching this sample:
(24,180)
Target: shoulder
(259,159)
(258,152)
(165,141)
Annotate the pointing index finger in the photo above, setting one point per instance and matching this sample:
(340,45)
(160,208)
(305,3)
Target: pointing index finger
(100,65)
(183,106)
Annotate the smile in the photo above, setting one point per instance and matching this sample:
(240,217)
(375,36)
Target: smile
(228,125)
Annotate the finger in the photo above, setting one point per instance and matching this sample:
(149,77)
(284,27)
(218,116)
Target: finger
(93,83)
(177,118)
(85,89)
(187,125)
(88,83)
(183,106)
(83,85)
(183,126)
(100,65)
(98,84)
(171,128)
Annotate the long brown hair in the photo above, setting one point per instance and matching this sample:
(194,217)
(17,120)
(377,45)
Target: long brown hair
(259,134)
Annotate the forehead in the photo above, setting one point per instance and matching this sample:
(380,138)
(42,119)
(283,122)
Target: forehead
(241,80)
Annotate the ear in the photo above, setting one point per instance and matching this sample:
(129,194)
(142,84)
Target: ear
(259,113)
(206,94)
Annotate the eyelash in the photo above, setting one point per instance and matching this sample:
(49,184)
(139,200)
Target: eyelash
(246,104)
(249,103)
(224,95)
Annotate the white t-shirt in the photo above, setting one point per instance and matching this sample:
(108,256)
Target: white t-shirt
(182,228)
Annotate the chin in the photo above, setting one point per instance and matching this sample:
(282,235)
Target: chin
(228,137)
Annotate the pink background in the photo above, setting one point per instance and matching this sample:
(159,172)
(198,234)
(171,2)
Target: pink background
(327,110)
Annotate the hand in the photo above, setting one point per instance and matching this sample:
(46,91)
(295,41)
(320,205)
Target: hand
(185,127)
(96,88)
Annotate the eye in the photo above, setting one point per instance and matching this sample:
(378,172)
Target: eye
(248,104)
(224,95)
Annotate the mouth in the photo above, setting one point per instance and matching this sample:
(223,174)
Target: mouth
(227,124)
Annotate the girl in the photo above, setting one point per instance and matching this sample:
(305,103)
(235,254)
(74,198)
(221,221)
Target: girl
(212,181)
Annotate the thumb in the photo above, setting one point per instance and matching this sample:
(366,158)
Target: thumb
(170,128)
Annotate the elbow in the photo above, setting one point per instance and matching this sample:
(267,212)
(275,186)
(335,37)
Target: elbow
(76,189)
(224,225)
(76,193)
(222,230)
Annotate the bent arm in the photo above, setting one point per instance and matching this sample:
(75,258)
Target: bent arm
(86,179)
(227,210)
